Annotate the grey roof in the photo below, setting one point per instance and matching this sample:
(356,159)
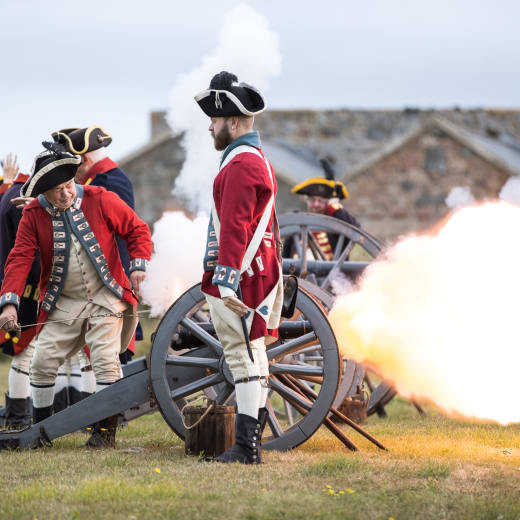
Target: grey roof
(504,156)
(494,151)
(289,165)
(356,139)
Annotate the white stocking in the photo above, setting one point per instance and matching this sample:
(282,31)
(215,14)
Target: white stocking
(248,397)
(42,397)
(18,384)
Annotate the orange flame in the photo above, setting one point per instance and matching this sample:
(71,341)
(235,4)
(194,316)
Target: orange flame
(438,315)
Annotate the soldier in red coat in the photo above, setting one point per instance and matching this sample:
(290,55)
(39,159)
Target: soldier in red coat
(85,295)
(242,271)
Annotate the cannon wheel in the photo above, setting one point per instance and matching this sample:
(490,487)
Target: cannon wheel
(298,228)
(353,243)
(175,377)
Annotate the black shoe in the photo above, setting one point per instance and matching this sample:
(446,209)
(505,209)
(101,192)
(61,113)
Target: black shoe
(104,434)
(245,449)
(17,413)
(39,414)
(61,400)
(263,414)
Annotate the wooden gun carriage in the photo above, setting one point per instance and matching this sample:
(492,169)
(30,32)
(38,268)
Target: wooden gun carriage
(308,377)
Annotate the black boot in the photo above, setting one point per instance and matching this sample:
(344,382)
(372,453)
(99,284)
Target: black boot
(245,449)
(75,396)
(104,434)
(17,413)
(39,414)
(263,413)
(61,400)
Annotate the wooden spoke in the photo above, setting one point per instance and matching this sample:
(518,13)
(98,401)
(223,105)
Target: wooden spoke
(274,424)
(196,386)
(335,269)
(201,334)
(316,249)
(225,394)
(289,394)
(339,246)
(296,370)
(305,238)
(187,361)
(291,346)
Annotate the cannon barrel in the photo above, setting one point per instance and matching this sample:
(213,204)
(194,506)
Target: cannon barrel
(288,329)
(321,267)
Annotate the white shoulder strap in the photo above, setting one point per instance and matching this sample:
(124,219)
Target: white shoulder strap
(253,246)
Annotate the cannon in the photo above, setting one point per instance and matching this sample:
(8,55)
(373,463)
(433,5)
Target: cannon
(308,378)
(354,250)
(186,360)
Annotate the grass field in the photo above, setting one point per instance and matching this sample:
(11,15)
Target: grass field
(436,468)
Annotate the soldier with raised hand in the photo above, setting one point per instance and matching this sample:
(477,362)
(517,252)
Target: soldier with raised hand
(241,255)
(85,295)
(17,411)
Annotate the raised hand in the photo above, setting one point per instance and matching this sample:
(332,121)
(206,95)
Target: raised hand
(11,168)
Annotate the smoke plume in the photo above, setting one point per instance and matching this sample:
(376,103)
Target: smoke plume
(248,48)
(438,315)
(176,264)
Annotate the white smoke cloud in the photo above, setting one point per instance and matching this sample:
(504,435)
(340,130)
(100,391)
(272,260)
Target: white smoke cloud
(510,192)
(176,264)
(248,48)
(459,196)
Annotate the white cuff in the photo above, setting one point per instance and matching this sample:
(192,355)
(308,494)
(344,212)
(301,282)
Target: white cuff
(226,291)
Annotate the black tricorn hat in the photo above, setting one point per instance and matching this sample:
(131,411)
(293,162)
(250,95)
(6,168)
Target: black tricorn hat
(326,187)
(227,97)
(52,167)
(82,140)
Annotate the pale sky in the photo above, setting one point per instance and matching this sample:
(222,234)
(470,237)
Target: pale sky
(67,64)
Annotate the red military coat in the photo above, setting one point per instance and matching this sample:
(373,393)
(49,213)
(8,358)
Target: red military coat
(241,192)
(106,214)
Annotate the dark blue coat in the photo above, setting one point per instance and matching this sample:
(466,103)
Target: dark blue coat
(10,217)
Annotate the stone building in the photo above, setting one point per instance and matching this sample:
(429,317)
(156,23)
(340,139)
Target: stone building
(398,166)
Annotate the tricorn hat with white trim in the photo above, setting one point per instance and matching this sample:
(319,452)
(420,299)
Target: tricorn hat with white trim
(51,168)
(326,187)
(227,97)
(82,140)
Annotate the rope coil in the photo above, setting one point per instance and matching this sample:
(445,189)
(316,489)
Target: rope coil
(212,405)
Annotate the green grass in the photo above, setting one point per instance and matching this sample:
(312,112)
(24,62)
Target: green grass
(437,467)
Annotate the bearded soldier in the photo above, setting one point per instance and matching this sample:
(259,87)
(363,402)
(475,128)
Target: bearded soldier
(74,228)
(241,255)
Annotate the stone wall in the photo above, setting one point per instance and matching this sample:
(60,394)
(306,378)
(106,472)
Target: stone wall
(403,192)
(153,175)
(406,191)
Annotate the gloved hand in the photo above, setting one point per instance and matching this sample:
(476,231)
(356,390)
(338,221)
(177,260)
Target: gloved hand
(9,322)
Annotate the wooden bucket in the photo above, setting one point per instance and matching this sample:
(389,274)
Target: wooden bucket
(355,408)
(211,435)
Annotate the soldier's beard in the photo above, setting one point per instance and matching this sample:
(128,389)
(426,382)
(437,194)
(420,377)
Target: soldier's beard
(223,139)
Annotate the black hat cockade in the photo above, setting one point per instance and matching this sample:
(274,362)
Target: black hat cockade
(82,140)
(52,167)
(227,97)
(327,187)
